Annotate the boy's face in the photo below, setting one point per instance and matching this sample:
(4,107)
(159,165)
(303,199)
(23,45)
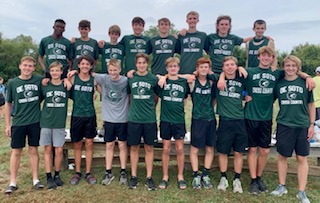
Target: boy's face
(114,36)
(203,69)
(137,28)
(84,66)
(58,28)
(173,68)
(265,59)
(113,72)
(84,31)
(27,67)
(229,67)
(223,26)
(192,20)
(290,68)
(164,27)
(142,65)
(55,72)
(259,29)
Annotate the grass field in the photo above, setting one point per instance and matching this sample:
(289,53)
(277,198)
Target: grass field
(115,193)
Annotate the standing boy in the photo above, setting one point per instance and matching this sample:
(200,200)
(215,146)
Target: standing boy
(24,92)
(172,121)
(316,92)
(83,119)
(135,43)
(142,119)
(114,113)
(55,48)
(259,40)
(84,45)
(53,122)
(295,125)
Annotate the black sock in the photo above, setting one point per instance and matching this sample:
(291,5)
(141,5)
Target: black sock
(56,173)
(195,173)
(49,176)
(253,180)
(224,174)
(108,171)
(237,175)
(123,170)
(149,178)
(79,174)
(87,174)
(205,171)
(258,177)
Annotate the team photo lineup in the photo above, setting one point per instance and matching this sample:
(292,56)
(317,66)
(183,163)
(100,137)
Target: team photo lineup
(137,74)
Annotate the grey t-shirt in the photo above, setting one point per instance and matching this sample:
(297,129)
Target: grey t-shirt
(115,104)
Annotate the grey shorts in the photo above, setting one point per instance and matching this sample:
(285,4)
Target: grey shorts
(54,137)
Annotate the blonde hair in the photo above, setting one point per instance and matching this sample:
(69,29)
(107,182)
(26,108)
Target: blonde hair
(28,58)
(193,13)
(55,64)
(228,58)
(294,59)
(114,62)
(266,49)
(172,60)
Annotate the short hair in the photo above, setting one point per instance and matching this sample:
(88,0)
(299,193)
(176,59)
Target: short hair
(172,60)
(294,59)
(193,13)
(141,55)
(115,29)
(203,60)
(228,58)
(84,24)
(166,20)
(56,64)
(266,49)
(60,21)
(138,20)
(259,22)
(28,58)
(223,17)
(114,62)
(86,57)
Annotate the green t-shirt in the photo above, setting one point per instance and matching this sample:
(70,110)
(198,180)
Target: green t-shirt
(82,96)
(82,48)
(133,45)
(293,98)
(220,47)
(55,106)
(260,85)
(26,98)
(162,49)
(55,50)
(202,97)
(172,100)
(110,51)
(229,101)
(142,106)
(190,47)
(254,46)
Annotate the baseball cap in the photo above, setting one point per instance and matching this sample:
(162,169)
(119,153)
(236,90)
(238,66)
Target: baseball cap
(318,69)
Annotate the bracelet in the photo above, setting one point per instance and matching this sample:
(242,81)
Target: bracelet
(312,123)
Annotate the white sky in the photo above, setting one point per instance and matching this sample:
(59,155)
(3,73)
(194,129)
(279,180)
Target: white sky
(289,23)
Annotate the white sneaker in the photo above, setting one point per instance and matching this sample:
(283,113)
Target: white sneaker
(237,186)
(280,190)
(223,184)
(302,196)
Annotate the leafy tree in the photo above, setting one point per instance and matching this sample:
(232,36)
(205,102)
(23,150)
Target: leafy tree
(240,54)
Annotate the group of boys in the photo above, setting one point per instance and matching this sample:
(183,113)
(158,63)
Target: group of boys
(238,128)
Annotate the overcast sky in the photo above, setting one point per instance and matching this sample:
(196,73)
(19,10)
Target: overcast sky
(289,23)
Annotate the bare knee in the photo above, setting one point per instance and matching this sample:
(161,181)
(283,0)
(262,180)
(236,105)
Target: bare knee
(110,146)
(264,151)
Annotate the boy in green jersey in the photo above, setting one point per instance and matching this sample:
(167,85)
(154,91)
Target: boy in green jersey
(172,121)
(295,125)
(53,122)
(142,119)
(231,133)
(259,40)
(24,92)
(83,119)
(55,48)
(84,45)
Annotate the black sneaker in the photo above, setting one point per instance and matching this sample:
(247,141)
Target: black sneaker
(39,186)
(51,184)
(133,183)
(150,184)
(262,186)
(254,188)
(58,181)
(10,189)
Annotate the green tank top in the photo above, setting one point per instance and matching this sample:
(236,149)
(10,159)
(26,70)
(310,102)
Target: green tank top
(253,60)
(82,96)
(202,101)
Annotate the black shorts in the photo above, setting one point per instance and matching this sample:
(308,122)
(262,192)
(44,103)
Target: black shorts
(203,133)
(175,130)
(147,131)
(19,134)
(259,133)
(291,138)
(83,127)
(115,130)
(232,134)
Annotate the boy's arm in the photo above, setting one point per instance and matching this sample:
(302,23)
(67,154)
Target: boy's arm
(221,85)
(247,54)
(41,62)
(245,40)
(274,64)
(312,117)
(7,117)
(310,84)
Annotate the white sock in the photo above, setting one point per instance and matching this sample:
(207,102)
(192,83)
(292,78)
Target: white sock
(35,181)
(13,184)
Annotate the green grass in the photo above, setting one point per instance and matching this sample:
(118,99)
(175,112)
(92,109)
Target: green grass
(115,193)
